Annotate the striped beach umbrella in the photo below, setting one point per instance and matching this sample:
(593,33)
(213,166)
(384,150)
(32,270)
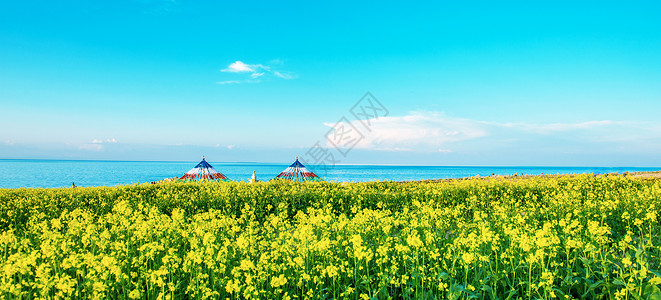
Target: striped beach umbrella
(203,171)
(298,172)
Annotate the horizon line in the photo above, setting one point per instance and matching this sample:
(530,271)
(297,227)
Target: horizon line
(345,164)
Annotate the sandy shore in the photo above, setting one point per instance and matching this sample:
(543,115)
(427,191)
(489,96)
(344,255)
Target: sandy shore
(651,175)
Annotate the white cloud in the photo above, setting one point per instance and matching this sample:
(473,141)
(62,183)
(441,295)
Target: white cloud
(238,67)
(229,82)
(434,132)
(256,71)
(416,131)
(230,147)
(393,149)
(97,141)
(559,127)
(97,145)
(9,143)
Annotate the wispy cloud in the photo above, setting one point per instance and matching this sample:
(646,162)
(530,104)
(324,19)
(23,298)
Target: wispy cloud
(97,144)
(229,82)
(559,127)
(229,147)
(284,75)
(418,130)
(255,72)
(437,132)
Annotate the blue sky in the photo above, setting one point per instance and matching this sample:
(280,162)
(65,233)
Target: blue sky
(464,83)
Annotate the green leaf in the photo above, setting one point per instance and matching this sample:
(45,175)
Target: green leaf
(511,294)
(595,285)
(559,292)
(473,296)
(618,282)
(443,276)
(488,290)
(592,287)
(652,292)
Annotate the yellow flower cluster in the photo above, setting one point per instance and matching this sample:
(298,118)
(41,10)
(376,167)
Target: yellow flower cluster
(556,237)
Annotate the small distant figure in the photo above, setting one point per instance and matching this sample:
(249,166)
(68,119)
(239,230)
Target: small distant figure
(73,184)
(253,179)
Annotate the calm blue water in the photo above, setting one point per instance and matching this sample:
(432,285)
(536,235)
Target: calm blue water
(61,173)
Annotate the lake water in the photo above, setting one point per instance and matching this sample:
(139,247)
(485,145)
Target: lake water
(16,173)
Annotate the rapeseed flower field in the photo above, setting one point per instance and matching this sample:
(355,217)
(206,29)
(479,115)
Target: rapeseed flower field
(560,237)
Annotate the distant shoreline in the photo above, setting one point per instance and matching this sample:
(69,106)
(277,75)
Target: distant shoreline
(640,174)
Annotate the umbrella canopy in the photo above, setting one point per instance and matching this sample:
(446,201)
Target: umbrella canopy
(298,172)
(203,171)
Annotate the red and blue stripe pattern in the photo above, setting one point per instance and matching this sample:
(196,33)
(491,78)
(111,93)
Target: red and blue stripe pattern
(298,172)
(203,171)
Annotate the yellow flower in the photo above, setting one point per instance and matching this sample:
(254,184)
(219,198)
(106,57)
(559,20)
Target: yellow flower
(414,241)
(626,261)
(651,216)
(135,294)
(468,258)
(278,281)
